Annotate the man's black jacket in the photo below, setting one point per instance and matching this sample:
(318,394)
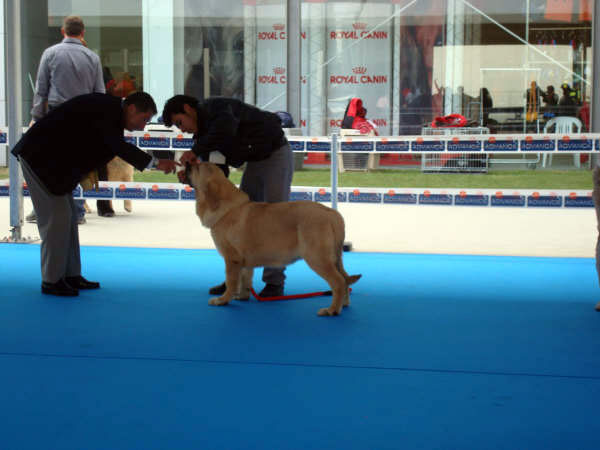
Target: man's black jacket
(80,135)
(241,132)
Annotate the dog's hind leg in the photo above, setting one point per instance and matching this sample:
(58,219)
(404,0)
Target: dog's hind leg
(349,279)
(232,271)
(330,273)
(340,268)
(245,284)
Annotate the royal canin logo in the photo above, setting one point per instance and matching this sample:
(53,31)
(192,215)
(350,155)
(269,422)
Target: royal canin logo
(357,33)
(279,70)
(358,76)
(359,25)
(278,26)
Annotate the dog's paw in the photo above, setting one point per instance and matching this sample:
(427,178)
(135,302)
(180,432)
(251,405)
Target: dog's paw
(327,312)
(218,301)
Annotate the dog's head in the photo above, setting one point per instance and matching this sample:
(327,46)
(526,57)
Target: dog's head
(206,179)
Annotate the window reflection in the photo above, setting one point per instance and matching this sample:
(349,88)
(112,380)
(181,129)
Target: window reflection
(409,61)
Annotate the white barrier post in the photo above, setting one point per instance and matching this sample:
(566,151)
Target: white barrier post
(334,169)
(12,24)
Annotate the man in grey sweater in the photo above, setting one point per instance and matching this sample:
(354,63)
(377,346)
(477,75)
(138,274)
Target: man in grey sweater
(67,70)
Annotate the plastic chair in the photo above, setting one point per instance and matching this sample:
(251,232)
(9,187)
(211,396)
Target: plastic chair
(563,125)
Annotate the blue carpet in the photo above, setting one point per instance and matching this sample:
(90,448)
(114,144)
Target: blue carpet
(457,352)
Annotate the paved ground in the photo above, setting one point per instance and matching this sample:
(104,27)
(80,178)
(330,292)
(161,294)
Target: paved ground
(370,228)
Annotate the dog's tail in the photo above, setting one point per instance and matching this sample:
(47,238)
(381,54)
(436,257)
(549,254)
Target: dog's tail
(351,279)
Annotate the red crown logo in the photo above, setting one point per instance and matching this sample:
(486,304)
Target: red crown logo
(278,26)
(360,70)
(279,70)
(359,25)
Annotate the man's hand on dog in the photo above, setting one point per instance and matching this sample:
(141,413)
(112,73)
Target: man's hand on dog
(188,158)
(167,165)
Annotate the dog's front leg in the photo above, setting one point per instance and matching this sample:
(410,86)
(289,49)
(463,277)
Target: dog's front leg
(245,284)
(232,271)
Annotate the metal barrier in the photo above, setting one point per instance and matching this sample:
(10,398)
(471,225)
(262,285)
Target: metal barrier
(482,144)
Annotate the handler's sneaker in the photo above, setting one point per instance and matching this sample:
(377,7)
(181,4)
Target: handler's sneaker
(218,289)
(31,218)
(272,290)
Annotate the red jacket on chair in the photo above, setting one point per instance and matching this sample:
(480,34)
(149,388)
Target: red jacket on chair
(355,118)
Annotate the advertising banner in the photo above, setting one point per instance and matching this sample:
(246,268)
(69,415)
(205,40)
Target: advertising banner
(358,49)
(271,56)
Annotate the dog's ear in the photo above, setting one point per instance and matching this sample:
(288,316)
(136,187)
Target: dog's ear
(212,192)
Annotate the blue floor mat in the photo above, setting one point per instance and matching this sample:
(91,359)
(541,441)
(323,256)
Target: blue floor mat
(435,351)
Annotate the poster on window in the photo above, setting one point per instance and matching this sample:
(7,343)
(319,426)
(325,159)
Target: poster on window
(359,62)
(271,57)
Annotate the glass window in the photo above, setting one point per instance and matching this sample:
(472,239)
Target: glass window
(509,66)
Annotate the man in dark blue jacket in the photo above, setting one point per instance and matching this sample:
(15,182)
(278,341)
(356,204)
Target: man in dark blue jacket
(231,132)
(71,141)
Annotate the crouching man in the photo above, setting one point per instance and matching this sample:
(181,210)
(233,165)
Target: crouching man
(242,133)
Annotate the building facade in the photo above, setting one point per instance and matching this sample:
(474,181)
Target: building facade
(408,60)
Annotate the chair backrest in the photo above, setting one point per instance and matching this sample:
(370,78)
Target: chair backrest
(563,125)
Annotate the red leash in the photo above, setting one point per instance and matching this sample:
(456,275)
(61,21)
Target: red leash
(292,297)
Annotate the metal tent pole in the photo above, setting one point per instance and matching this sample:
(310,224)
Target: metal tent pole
(595,107)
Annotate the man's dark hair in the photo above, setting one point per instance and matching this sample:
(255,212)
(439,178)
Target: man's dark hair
(73,25)
(175,106)
(142,101)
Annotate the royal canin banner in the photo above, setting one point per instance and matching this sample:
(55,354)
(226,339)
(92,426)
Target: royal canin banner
(271,57)
(359,41)
(361,65)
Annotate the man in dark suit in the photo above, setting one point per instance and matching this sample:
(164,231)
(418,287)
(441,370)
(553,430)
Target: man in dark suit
(59,150)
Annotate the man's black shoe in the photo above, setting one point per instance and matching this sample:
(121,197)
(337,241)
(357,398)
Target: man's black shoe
(79,282)
(218,290)
(107,214)
(59,288)
(272,290)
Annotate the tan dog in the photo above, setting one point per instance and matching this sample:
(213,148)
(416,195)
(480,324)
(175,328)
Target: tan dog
(119,170)
(253,234)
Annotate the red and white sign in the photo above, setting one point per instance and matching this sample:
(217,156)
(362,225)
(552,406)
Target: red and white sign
(361,67)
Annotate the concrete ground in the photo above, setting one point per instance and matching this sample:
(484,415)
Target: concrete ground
(560,232)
